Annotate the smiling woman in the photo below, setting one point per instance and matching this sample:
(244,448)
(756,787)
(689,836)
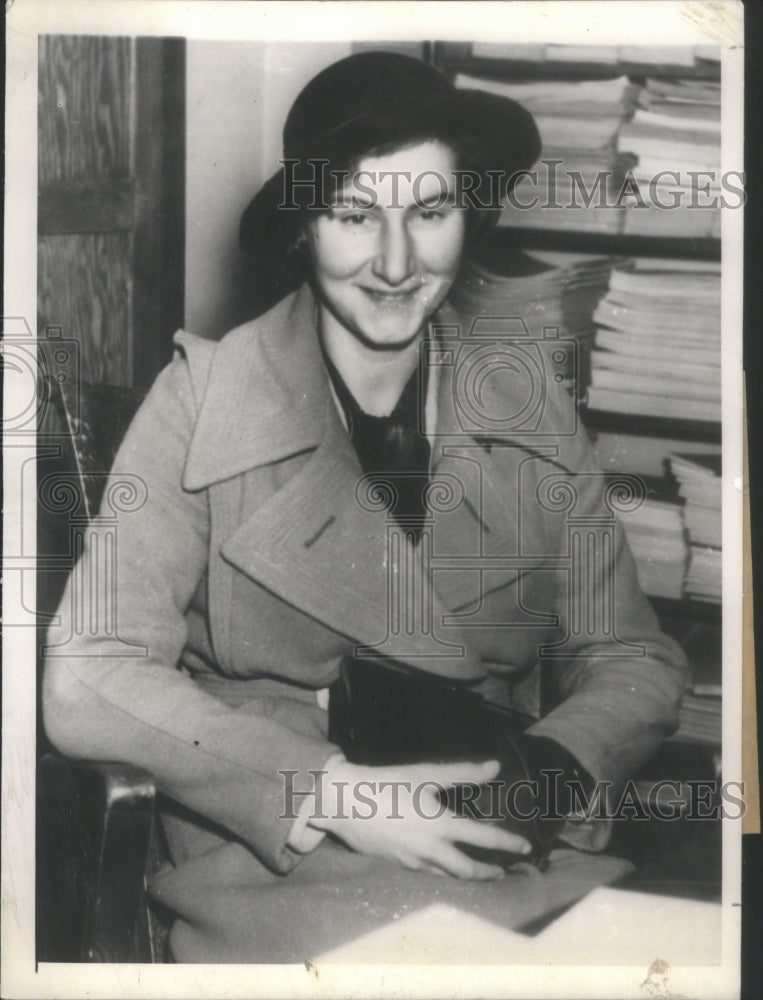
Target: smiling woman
(341,485)
(382,266)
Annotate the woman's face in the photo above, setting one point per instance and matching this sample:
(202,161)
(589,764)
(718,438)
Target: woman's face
(384,257)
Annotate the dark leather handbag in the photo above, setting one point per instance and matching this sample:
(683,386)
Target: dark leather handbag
(384,713)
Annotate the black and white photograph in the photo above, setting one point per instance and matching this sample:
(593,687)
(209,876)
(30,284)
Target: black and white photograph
(374,500)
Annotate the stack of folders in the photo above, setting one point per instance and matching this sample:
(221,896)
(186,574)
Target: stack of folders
(656,539)
(579,177)
(700,716)
(676,136)
(699,483)
(558,302)
(703,581)
(700,719)
(699,479)
(657,350)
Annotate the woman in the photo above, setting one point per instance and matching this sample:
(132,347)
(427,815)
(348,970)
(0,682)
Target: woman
(259,565)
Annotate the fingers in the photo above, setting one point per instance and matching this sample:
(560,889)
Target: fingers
(426,833)
(433,869)
(439,857)
(449,859)
(489,836)
(462,773)
(417,863)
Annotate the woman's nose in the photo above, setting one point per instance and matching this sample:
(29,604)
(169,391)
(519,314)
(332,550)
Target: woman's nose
(395,260)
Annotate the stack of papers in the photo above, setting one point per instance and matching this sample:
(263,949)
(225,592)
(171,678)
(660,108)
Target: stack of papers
(640,160)
(572,190)
(699,479)
(700,720)
(562,297)
(703,578)
(578,124)
(656,538)
(675,132)
(699,483)
(657,349)
(570,115)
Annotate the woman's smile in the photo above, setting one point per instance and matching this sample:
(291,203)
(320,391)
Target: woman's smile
(391,295)
(384,263)
(396,301)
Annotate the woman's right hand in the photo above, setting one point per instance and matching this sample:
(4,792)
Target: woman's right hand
(397,812)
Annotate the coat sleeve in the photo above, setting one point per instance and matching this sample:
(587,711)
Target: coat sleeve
(617,686)
(116,693)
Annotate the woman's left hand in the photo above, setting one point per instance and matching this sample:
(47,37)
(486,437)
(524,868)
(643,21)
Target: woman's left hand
(398,812)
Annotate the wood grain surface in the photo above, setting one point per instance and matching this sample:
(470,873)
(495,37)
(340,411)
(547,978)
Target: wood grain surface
(84,286)
(111,201)
(84,107)
(85,206)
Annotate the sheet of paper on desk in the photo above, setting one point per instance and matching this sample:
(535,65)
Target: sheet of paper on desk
(437,933)
(634,928)
(609,926)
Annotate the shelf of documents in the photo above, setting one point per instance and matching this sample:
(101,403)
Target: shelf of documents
(631,146)
(639,340)
(699,478)
(657,346)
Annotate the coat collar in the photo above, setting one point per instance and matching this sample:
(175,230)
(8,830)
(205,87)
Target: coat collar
(266,395)
(313,542)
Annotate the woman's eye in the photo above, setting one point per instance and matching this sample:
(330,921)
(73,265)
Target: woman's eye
(428,214)
(355,219)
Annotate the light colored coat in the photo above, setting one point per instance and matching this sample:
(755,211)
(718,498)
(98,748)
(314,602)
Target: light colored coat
(255,565)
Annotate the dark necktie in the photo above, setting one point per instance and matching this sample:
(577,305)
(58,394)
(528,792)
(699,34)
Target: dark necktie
(393,449)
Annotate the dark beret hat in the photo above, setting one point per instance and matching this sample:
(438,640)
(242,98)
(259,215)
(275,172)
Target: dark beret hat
(372,100)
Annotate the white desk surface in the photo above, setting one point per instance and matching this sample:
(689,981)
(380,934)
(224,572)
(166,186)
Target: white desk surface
(607,927)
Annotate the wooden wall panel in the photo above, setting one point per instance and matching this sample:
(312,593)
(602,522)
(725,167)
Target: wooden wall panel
(111,200)
(85,206)
(89,301)
(159,164)
(84,107)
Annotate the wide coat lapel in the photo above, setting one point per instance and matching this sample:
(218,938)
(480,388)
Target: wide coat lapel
(477,540)
(322,541)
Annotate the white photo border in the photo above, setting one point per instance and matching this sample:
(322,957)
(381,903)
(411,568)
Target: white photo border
(637,22)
